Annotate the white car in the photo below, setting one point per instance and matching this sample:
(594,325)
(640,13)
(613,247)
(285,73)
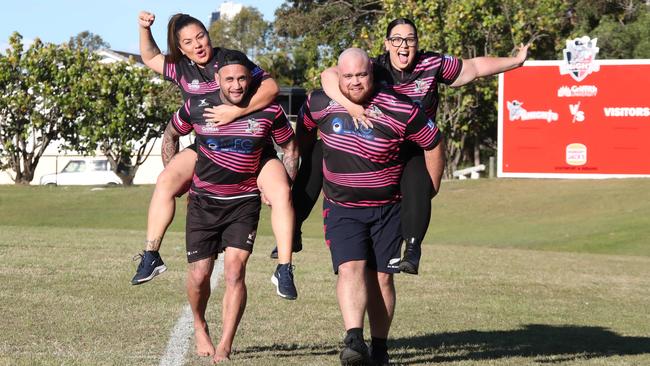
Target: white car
(83,172)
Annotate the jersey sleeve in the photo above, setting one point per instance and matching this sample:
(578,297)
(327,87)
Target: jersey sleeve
(170,71)
(449,70)
(305,119)
(422,130)
(181,119)
(281,130)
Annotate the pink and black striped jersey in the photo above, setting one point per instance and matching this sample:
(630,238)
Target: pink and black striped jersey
(229,156)
(361,167)
(195,80)
(421,83)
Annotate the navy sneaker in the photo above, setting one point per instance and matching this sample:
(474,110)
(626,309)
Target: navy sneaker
(150,266)
(355,352)
(283,280)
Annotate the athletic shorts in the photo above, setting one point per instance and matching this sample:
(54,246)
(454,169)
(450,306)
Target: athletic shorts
(370,233)
(214,224)
(268,154)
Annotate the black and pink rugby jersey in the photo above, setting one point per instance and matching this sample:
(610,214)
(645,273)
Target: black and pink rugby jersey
(421,83)
(195,80)
(361,167)
(229,156)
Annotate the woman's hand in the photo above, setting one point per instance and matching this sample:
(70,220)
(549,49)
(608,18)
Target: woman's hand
(222,114)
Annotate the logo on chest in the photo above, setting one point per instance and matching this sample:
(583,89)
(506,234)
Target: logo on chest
(253,126)
(345,127)
(420,86)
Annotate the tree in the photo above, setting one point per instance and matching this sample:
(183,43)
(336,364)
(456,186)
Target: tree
(318,30)
(128,107)
(42,101)
(247,31)
(87,40)
(472,28)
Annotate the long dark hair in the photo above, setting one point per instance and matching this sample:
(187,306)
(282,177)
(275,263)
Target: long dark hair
(399,21)
(176,23)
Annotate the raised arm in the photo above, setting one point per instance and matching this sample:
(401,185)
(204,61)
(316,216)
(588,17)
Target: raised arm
(151,55)
(264,95)
(485,66)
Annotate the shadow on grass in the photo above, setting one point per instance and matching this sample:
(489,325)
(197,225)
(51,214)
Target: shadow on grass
(290,350)
(546,343)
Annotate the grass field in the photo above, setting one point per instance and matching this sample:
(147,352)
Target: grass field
(515,272)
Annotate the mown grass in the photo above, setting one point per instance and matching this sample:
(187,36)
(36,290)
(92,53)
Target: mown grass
(483,296)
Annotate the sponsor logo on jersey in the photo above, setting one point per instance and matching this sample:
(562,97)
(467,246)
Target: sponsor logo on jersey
(578,115)
(344,127)
(195,85)
(578,91)
(420,86)
(580,58)
(229,144)
(576,154)
(253,126)
(375,112)
(626,111)
(203,103)
(518,113)
(210,127)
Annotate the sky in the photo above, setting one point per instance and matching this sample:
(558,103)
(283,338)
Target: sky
(55,21)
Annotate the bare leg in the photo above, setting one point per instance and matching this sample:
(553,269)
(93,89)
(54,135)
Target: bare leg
(273,181)
(198,294)
(234,299)
(172,181)
(352,293)
(381,302)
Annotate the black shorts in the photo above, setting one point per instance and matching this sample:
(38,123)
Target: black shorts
(214,224)
(370,233)
(268,154)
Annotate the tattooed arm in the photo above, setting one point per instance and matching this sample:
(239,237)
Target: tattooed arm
(169,143)
(290,158)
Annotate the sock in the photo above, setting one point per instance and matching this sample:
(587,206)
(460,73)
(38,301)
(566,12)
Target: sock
(379,345)
(355,332)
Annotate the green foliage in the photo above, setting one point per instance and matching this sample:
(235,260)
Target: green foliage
(320,30)
(89,41)
(127,107)
(42,102)
(247,31)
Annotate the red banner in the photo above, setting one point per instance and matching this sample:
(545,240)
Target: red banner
(552,126)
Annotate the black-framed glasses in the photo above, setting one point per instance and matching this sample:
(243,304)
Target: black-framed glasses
(397,41)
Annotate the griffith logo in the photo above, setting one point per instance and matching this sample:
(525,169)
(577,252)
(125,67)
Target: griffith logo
(580,58)
(576,154)
(194,85)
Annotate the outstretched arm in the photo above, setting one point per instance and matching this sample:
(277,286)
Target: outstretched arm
(264,95)
(169,143)
(485,66)
(149,51)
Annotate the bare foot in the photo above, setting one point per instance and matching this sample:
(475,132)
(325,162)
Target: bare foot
(221,355)
(204,346)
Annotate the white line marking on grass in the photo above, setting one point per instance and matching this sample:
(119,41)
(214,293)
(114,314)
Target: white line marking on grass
(179,340)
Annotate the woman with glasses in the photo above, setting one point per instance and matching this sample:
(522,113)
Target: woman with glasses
(416,74)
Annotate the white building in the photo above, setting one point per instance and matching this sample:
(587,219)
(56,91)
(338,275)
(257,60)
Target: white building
(227,11)
(53,161)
